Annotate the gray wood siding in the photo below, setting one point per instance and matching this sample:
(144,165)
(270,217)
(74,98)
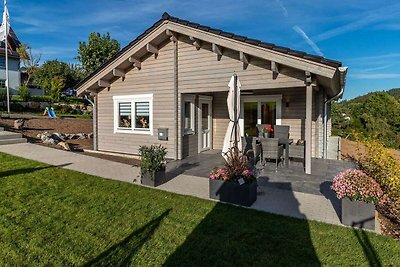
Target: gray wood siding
(200,72)
(155,77)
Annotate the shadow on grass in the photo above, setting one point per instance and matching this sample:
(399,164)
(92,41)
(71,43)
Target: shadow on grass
(232,236)
(29,170)
(122,253)
(368,249)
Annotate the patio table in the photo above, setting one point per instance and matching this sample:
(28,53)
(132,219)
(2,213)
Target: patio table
(285,142)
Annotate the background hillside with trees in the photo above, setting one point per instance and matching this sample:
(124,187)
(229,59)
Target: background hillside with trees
(375,115)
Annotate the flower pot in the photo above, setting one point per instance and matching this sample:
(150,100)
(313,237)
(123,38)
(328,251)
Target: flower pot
(231,192)
(358,214)
(153,178)
(267,135)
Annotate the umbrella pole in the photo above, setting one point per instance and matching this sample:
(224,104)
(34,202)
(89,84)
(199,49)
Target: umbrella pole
(235,109)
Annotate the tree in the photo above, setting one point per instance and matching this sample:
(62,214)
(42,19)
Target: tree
(69,73)
(57,84)
(30,61)
(96,51)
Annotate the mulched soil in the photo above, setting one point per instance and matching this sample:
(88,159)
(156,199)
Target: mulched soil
(34,126)
(349,149)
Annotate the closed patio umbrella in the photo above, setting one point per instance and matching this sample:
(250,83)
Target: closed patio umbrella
(232,136)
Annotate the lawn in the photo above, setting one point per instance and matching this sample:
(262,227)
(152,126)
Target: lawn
(53,216)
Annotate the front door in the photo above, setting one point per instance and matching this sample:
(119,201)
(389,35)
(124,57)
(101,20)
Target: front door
(205,123)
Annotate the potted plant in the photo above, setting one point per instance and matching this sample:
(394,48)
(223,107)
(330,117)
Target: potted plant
(152,164)
(359,194)
(234,183)
(267,130)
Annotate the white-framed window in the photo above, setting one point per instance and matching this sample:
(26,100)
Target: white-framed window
(259,109)
(2,63)
(188,114)
(133,114)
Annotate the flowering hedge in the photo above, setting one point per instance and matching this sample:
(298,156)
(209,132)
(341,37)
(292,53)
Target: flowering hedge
(357,185)
(379,164)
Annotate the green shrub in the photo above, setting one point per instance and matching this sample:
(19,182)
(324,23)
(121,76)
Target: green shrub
(3,94)
(39,98)
(379,164)
(24,92)
(16,107)
(152,158)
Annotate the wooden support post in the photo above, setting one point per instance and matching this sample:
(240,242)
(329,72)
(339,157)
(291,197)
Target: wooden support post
(195,42)
(95,124)
(217,50)
(136,62)
(308,125)
(274,69)
(245,59)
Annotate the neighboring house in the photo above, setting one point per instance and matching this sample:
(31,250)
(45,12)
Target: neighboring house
(175,76)
(14,73)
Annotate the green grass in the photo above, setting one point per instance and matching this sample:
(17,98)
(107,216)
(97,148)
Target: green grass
(53,216)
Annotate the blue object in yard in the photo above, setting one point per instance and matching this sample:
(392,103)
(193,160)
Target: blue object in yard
(51,113)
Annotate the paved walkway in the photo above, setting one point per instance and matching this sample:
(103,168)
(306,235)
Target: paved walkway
(274,200)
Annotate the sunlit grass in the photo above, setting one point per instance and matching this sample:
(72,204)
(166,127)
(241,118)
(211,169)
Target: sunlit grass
(54,216)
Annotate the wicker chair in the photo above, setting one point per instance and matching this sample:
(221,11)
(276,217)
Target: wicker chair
(251,148)
(271,150)
(281,131)
(297,152)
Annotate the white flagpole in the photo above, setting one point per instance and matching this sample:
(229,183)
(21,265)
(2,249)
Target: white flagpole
(6,52)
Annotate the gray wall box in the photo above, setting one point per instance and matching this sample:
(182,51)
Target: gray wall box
(163,134)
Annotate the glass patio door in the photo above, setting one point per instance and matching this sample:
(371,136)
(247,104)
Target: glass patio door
(205,124)
(259,110)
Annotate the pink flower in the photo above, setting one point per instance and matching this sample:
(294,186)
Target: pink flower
(357,185)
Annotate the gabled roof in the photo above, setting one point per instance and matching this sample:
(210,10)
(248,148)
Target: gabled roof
(242,39)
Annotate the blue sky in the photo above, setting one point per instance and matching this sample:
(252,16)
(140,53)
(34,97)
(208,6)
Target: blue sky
(364,34)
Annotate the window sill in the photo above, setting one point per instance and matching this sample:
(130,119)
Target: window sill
(130,131)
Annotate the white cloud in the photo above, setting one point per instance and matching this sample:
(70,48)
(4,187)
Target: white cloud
(282,6)
(316,49)
(385,13)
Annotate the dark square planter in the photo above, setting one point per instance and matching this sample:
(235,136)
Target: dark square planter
(245,194)
(358,214)
(154,178)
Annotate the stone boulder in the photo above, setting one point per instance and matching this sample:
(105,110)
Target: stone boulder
(19,124)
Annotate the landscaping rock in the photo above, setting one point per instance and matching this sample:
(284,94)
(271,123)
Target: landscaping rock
(19,124)
(64,145)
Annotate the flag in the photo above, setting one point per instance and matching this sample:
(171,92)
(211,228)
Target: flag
(5,24)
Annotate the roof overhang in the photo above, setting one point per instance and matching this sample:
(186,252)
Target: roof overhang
(146,44)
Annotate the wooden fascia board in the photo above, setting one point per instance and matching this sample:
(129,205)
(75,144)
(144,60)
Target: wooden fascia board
(123,57)
(260,52)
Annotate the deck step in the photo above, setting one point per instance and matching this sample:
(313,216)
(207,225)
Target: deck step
(12,141)
(9,135)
